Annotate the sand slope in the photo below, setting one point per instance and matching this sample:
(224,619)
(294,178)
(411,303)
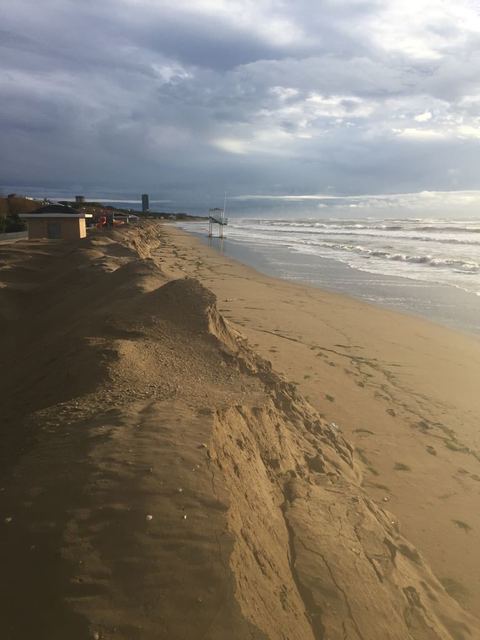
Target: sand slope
(403,391)
(160,480)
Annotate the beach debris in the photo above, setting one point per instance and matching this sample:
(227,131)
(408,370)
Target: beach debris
(180,490)
(184,516)
(149,517)
(8,519)
(96,636)
(386,499)
(335,426)
(202,445)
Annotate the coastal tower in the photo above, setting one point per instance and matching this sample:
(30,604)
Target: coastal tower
(145,203)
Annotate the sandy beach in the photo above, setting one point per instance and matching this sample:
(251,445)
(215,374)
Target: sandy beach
(403,390)
(194,450)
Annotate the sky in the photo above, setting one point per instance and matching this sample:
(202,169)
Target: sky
(357,106)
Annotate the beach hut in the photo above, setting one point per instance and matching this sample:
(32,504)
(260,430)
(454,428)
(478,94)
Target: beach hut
(56,221)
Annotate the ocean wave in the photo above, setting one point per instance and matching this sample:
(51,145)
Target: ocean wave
(445,260)
(456,264)
(356,233)
(449,229)
(328,225)
(391,254)
(412,225)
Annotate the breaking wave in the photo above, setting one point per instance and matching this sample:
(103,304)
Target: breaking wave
(440,251)
(465,266)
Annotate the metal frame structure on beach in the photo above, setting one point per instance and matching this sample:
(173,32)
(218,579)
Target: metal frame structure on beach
(217,216)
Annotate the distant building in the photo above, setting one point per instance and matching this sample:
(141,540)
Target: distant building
(145,203)
(56,221)
(79,199)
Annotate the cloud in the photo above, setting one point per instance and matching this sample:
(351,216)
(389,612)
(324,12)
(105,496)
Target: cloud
(423,117)
(420,134)
(426,202)
(185,99)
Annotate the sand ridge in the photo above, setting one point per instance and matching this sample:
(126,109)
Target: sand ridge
(160,480)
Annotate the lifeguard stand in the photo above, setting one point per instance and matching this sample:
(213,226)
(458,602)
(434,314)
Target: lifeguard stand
(217,216)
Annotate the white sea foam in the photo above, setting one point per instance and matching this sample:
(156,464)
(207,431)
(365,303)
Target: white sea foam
(441,251)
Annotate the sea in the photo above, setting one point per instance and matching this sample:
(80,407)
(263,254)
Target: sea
(427,267)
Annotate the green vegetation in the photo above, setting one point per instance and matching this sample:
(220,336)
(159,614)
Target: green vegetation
(10,208)
(11,223)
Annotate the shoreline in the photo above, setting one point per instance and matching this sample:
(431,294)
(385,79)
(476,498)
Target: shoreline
(434,302)
(327,292)
(400,387)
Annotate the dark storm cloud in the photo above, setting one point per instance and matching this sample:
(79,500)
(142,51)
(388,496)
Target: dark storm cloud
(187,98)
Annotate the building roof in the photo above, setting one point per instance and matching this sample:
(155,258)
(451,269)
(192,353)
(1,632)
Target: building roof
(56,208)
(55,211)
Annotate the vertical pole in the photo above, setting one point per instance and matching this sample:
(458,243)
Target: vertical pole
(223,214)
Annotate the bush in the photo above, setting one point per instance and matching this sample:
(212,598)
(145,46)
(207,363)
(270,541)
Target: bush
(10,224)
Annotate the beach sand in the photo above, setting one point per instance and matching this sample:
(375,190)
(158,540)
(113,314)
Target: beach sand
(404,391)
(161,479)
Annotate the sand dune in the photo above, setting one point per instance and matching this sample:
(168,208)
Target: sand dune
(160,480)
